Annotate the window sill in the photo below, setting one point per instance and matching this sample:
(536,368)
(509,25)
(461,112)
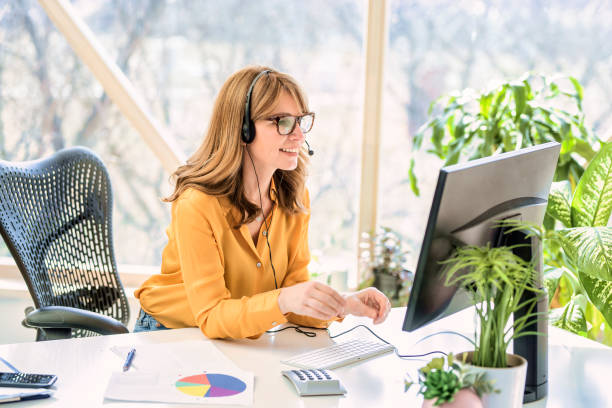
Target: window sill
(12,284)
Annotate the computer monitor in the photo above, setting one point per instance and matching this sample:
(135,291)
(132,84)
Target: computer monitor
(469,201)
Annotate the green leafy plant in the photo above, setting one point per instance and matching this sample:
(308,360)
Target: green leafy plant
(382,259)
(531,110)
(441,379)
(496,279)
(578,254)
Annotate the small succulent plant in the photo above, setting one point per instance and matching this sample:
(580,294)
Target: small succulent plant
(442,378)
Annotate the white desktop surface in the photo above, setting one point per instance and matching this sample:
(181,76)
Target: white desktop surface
(579,369)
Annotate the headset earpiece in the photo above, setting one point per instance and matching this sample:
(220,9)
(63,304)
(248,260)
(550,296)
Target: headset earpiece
(248,127)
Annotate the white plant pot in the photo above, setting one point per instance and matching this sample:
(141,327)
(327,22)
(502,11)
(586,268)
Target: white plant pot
(510,381)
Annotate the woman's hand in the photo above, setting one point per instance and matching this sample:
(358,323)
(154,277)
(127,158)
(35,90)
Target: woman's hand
(313,299)
(368,302)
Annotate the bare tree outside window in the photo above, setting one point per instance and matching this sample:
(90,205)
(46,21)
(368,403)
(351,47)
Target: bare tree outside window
(177,54)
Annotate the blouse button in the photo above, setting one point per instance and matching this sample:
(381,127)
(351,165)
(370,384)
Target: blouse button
(258,264)
(265,233)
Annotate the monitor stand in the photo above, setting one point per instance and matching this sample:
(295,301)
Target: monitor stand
(534,348)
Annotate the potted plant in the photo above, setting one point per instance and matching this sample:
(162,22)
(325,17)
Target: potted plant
(578,273)
(530,110)
(450,384)
(578,269)
(382,261)
(497,279)
(533,109)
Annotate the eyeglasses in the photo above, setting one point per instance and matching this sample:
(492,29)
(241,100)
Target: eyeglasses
(286,124)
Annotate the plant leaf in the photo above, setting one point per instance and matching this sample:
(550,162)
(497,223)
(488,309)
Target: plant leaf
(413,179)
(437,136)
(549,222)
(566,289)
(600,293)
(520,96)
(578,89)
(417,140)
(592,202)
(600,329)
(560,202)
(572,317)
(485,103)
(455,148)
(584,149)
(552,278)
(590,249)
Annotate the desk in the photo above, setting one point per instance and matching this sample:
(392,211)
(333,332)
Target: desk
(578,368)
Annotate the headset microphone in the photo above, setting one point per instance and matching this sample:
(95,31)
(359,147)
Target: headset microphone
(310,151)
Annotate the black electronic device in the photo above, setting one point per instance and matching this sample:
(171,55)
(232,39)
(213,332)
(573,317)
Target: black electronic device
(27,380)
(310,151)
(469,202)
(248,127)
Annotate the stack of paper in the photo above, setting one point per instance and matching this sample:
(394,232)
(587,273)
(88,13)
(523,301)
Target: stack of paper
(192,372)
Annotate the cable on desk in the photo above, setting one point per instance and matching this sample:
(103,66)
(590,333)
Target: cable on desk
(299,330)
(313,334)
(402,356)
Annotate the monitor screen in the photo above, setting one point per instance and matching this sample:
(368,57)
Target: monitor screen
(469,201)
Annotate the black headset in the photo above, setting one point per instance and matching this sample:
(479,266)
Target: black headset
(248,127)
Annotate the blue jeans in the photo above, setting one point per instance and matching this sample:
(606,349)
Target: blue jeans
(146,322)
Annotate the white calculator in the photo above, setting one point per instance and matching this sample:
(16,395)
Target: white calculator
(315,382)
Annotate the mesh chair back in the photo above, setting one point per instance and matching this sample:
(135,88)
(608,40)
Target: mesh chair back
(56,219)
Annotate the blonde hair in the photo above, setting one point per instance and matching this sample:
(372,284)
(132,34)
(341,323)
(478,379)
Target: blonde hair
(216,167)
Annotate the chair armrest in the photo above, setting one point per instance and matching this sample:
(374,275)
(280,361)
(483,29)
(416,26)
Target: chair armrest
(63,317)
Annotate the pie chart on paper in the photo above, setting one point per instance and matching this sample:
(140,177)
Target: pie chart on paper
(210,385)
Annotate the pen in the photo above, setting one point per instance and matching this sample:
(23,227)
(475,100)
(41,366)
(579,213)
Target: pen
(128,360)
(15,398)
(9,365)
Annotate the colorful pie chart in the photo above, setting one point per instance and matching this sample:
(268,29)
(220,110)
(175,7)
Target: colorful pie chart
(210,385)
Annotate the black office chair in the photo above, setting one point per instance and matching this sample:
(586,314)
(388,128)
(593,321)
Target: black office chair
(56,219)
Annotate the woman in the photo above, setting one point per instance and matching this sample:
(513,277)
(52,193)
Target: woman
(236,260)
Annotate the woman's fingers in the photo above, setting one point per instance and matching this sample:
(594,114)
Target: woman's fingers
(313,299)
(358,306)
(377,303)
(320,301)
(383,311)
(328,297)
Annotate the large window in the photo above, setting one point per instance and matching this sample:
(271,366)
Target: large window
(437,47)
(177,54)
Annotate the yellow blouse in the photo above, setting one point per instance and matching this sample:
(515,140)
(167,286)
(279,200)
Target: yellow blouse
(214,277)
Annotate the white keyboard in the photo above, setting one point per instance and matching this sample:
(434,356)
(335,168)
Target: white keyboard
(339,354)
